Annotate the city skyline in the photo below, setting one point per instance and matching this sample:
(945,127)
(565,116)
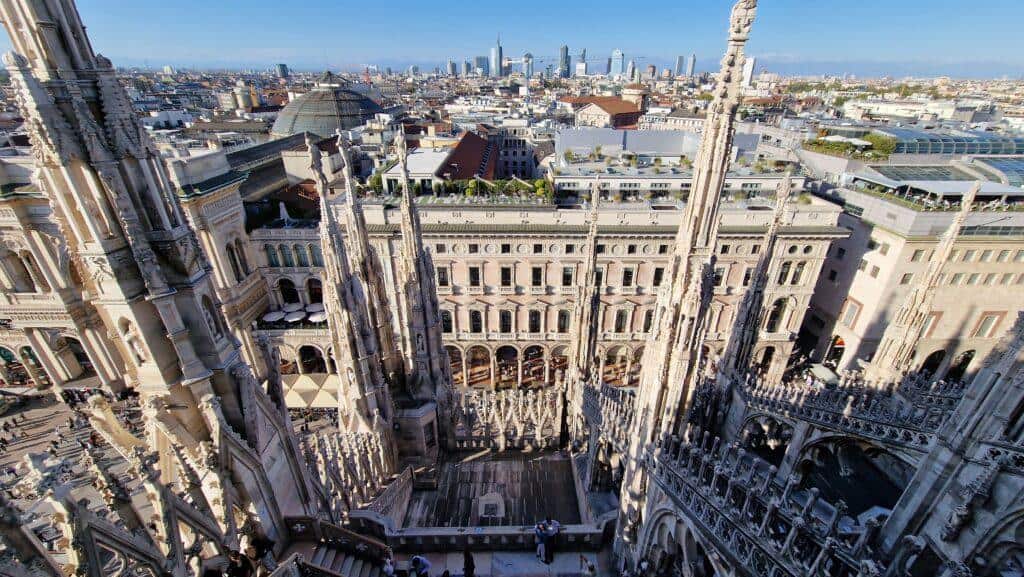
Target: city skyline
(859,43)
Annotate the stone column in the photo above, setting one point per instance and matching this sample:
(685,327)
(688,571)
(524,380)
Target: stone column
(801,432)
(32,370)
(519,371)
(465,371)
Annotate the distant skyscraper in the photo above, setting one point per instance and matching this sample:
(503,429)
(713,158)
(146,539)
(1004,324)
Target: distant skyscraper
(618,65)
(581,68)
(496,60)
(282,70)
(563,62)
(528,65)
(608,66)
(652,71)
(481,65)
(451,68)
(691,66)
(748,70)
(680,61)
(467,67)
(631,69)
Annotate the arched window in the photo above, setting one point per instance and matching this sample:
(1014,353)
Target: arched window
(288,292)
(620,321)
(300,255)
(242,259)
(233,260)
(783,273)
(563,321)
(318,257)
(271,255)
(315,290)
(775,315)
(648,320)
(17,272)
(286,256)
(446,322)
(534,321)
(505,321)
(476,322)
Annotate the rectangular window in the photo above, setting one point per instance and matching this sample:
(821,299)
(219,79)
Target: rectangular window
(986,327)
(474,248)
(905,279)
(648,320)
(662,249)
(874,272)
(440,248)
(446,322)
(506,276)
(1019,257)
(833,275)
(840,253)
(506,248)
(476,322)
(850,313)
(990,278)
(474,276)
(1007,278)
(599,249)
(537,249)
(863,264)
(968,256)
(724,249)
(631,249)
(917,256)
(599,277)
(986,255)
(505,322)
(567,274)
(627,277)
(563,321)
(929,324)
(442,276)
(659,275)
(719,275)
(534,321)
(884,248)
(1004,255)
(872,244)
(537,276)
(954,255)
(570,249)
(957,279)
(973,278)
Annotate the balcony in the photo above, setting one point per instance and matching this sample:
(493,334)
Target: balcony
(538,290)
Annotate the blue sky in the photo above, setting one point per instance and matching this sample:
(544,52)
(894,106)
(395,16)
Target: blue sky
(865,37)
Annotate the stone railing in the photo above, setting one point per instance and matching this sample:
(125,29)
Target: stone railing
(394,500)
(1010,455)
(925,393)
(851,408)
(731,498)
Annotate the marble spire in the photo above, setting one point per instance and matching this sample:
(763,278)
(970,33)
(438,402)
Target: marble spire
(897,348)
(428,374)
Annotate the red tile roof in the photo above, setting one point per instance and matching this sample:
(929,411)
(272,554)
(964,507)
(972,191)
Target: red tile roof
(472,156)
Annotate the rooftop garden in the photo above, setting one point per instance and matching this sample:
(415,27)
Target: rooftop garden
(879,147)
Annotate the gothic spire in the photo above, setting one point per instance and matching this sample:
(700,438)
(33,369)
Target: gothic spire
(672,359)
(366,264)
(748,315)
(896,349)
(353,343)
(427,369)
